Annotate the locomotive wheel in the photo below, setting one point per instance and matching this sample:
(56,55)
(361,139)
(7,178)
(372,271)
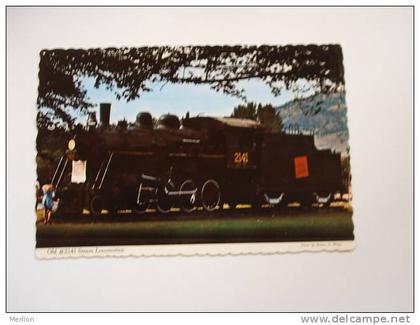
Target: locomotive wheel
(188,201)
(210,195)
(140,208)
(97,203)
(164,201)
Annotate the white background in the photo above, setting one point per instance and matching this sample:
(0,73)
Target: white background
(376,276)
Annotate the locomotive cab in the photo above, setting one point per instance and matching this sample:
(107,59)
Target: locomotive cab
(297,170)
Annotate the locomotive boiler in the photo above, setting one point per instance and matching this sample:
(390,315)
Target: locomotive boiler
(198,162)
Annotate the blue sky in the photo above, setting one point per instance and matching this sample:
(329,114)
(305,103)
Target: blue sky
(180,98)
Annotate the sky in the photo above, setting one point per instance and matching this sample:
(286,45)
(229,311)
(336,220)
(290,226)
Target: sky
(180,98)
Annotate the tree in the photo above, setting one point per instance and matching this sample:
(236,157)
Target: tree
(265,114)
(269,116)
(248,111)
(127,71)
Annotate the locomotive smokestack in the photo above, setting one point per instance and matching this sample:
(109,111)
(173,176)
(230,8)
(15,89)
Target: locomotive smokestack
(104,114)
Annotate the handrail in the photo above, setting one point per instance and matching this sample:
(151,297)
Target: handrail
(106,169)
(62,172)
(56,170)
(97,175)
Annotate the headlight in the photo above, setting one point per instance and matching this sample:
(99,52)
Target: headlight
(72,144)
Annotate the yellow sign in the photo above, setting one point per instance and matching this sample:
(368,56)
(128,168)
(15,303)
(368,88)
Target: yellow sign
(240,158)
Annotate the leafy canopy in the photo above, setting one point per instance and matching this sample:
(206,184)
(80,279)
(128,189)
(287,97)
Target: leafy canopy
(128,72)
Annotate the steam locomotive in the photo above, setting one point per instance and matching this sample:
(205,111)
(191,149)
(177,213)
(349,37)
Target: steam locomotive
(199,162)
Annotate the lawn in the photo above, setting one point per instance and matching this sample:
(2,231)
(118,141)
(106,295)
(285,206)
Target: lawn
(317,224)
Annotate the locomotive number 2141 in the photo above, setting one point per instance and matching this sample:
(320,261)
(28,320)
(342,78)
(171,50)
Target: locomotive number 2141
(240,158)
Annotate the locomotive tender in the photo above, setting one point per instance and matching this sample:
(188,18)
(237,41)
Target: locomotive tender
(205,163)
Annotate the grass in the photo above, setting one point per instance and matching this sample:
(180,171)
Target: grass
(247,226)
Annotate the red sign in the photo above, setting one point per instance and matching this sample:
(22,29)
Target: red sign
(301,167)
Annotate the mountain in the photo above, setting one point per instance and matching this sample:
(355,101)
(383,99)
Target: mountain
(325,115)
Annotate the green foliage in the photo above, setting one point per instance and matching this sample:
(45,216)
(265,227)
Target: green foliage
(127,71)
(49,144)
(248,111)
(265,114)
(245,227)
(269,116)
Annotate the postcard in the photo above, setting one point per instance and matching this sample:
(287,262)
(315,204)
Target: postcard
(183,150)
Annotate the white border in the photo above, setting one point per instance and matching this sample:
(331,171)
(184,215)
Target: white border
(195,249)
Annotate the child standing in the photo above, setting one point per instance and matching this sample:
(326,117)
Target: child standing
(47,201)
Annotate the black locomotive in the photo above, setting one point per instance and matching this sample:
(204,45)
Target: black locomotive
(199,162)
